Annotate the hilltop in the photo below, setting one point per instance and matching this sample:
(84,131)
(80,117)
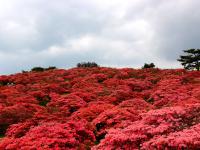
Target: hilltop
(100,108)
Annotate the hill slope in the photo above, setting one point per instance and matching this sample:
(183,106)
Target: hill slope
(100,108)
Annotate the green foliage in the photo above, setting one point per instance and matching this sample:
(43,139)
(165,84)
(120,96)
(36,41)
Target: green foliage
(87,65)
(41,69)
(191,60)
(43,100)
(37,69)
(6,83)
(151,65)
(3,128)
(150,100)
(23,71)
(43,103)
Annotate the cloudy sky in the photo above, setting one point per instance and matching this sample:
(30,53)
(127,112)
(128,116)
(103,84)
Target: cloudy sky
(113,33)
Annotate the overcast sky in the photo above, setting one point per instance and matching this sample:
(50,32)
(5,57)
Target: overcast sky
(113,33)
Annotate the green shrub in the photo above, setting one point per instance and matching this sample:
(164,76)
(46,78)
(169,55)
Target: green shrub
(41,69)
(37,69)
(87,65)
(151,65)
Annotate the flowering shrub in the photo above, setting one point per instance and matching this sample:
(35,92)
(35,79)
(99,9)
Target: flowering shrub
(16,113)
(137,104)
(100,108)
(175,92)
(153,129)
(66,105)
(186,139)
(114,118)
(91,111)
(51,136)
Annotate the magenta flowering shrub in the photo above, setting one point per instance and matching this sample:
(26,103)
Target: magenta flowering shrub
(155,127)
(186,139)
(100,108)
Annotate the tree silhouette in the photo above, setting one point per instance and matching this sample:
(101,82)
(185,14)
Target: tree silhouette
(151,65)
(87,65)
(191,60)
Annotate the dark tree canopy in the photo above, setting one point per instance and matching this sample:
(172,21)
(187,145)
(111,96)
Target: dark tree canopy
(37,69)
(87,65)
(191,60)
(41,69)
(151,65)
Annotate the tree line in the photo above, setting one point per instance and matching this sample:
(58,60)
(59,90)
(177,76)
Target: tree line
(190,61)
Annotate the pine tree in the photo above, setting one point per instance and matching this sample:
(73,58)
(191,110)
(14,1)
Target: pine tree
(191,60)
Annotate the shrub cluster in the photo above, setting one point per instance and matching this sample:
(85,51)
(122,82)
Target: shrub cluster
(40,69)
(151,65)
(100,108)
(87,64)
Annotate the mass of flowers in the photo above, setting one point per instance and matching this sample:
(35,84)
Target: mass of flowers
(100,108)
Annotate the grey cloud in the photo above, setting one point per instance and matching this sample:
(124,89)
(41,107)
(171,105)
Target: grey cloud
(113,33)
(176,27)
(47,25)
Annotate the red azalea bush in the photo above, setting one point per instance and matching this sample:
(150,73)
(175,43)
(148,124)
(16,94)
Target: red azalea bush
(15,114)
(137,104)
(66,104)
(71,135)
(114,118)
(154,129)
(18,130)
(186,139)
(91,111)
(100,108)
(175,92)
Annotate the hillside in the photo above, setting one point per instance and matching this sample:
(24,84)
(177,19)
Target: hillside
(100,108)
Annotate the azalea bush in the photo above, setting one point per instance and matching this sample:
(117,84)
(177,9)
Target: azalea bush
(51,136)
(158,129)
(90,107)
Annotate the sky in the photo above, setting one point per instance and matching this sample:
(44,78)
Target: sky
(112,33)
